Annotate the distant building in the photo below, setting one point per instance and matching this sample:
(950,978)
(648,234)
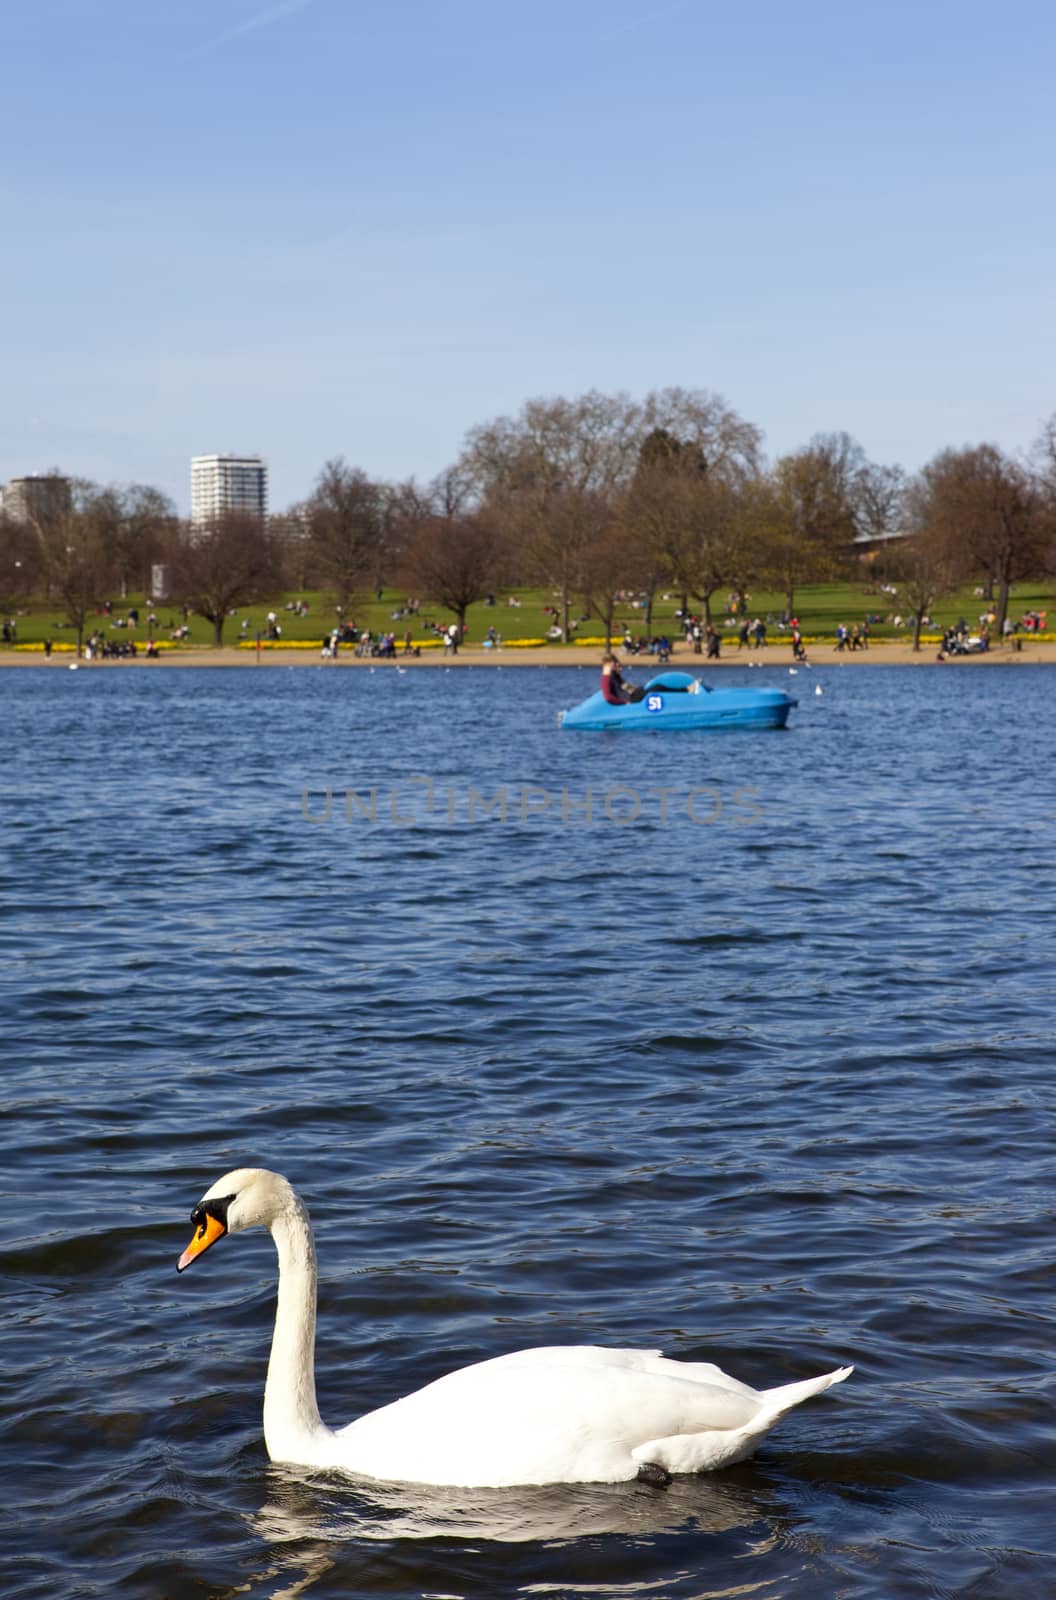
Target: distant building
(226,484)
(868,546)
(39,496)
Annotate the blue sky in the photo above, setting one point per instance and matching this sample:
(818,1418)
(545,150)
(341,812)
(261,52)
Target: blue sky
(358,227)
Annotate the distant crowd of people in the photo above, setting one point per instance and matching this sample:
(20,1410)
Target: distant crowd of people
(658,645)
(751,632)
(856,637)
(382,646)
(99,648)
(959,642)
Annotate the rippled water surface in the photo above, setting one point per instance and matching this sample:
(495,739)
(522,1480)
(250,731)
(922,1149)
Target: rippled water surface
(753,1063)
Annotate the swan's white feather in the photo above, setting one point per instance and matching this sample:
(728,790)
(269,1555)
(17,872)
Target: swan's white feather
(557,1414)
(550,1415)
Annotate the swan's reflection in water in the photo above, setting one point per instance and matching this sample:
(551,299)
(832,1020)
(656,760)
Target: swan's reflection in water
(309,1519)
(324,1506)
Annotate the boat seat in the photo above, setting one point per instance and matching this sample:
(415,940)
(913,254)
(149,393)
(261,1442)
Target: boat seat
(677,683)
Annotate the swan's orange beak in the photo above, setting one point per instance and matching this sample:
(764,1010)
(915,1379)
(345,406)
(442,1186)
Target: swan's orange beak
(210,1231)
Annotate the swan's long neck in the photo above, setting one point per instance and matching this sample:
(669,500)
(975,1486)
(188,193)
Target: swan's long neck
(293,1430)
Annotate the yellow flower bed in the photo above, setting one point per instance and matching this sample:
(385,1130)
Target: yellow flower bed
(523,644)
(64,647)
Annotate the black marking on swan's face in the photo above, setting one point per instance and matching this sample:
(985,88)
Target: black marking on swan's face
(217,1209)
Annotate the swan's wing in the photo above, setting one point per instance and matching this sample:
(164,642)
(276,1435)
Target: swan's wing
(548,1416)
(653,1362)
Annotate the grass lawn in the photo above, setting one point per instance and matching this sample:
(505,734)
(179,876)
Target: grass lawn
(820,608)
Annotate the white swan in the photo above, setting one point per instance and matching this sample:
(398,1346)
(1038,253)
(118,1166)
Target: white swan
(574,1414)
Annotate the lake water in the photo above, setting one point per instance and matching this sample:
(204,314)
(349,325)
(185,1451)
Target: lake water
(754,1064)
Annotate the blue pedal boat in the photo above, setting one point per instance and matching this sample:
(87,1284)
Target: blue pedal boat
(678,700)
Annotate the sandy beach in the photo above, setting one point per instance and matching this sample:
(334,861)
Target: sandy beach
(776,656)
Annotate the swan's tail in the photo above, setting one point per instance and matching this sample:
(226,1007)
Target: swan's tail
(782,1399)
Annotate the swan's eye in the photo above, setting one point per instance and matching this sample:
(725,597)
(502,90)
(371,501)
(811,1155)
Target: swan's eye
(216,1210)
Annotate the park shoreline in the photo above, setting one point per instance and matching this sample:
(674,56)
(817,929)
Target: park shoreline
(881,653)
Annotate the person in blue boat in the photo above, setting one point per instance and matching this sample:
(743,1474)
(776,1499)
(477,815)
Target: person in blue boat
(613,687)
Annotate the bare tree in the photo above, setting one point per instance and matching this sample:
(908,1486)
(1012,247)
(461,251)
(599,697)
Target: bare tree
(586,445)
(652,507)
(593,443)
(881,515)
(698,526)
(808,513)
(70,534)
(541,475)
(404,507)
(545,471)
(230,562)
(291,531)
(991,515)
(19,562)
(922,564)
(1042,461)
(452,561)
(551,542)
(612,562)
(137,517)
(346,529)
(881,493)
(724,443)
(77,572)
(1043,452)
(450,494)
(691,493)
(925,576)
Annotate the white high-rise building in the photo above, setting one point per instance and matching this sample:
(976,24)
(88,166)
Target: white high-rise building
(224,484)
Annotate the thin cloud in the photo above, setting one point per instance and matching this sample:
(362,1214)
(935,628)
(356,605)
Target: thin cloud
(262,19)
(642,21)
